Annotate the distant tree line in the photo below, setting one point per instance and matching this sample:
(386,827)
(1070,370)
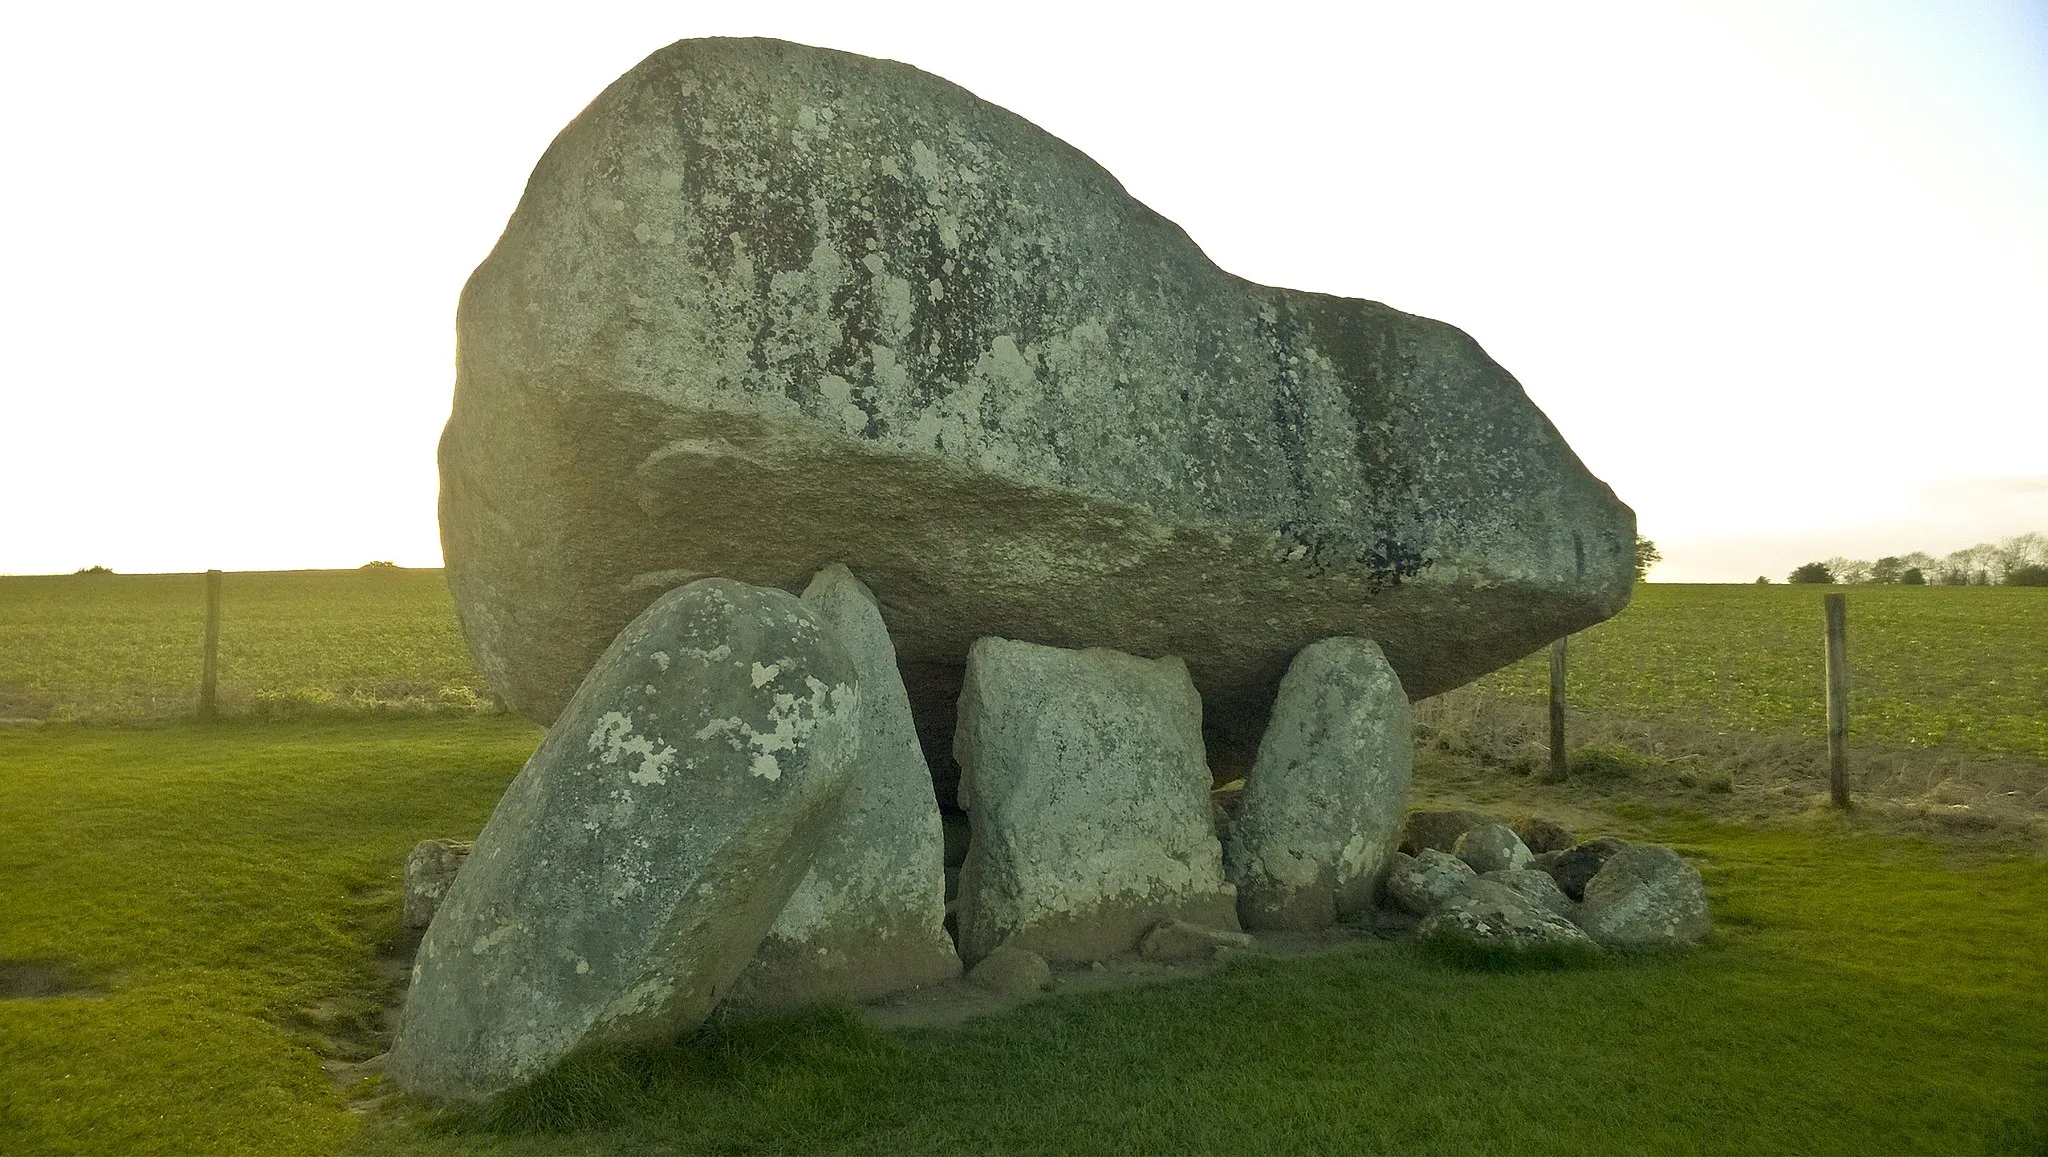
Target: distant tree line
(2019,561)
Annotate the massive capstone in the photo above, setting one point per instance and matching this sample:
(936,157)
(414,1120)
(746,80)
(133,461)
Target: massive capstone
(766,307)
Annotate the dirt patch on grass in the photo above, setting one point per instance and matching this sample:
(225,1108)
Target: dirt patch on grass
(42,980)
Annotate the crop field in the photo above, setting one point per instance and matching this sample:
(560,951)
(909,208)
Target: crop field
(110,648)
(1960,666)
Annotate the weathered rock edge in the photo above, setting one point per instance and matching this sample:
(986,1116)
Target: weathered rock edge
(632,867)
(764,307)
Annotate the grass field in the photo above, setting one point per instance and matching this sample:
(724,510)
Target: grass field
(222,893)
(216,899)
(109,648)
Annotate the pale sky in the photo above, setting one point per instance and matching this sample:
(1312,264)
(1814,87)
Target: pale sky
(1778,271)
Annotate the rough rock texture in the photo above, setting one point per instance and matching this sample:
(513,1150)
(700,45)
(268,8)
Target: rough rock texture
(1011,971)
(1541,835)
(1322,806)
(1575,866)
(1646,898)
(1182,942)
(1422,884)
(764,307)
(1089,799)
(428,871)
(1491,848)
(1438,829)
(1491,916)
(1536,887)
(869,917)
(630,870)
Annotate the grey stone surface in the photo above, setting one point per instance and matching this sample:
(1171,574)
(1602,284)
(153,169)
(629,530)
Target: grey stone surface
(1323,803)
(633,866)
(1541,835)
(869,917)
(1646,897)
(1085,783)
(1438,829)
(1424,883)
(1009,971)
(750,266)
(1575,866)
(1491,848)
(429,870)
(1489,915)
(1177,941)
(1536,887)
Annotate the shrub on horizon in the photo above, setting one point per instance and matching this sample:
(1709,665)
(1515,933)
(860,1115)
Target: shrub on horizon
(94,570)
(2033,575)
(1812,572)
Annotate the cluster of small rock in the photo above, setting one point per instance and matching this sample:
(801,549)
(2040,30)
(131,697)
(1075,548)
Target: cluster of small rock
(1478,882)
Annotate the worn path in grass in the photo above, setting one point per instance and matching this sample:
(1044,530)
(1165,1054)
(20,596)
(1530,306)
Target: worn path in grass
(221,887)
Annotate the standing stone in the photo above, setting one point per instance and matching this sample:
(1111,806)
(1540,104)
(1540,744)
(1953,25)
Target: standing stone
(1085,782)
(750,267)
(1646,898)
(429,870)
(1323,803)
(1492,848)
(869,918)
(631,869)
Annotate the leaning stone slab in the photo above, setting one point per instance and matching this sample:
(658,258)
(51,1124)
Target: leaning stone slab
(1085,782)
(1422,884)
(1323,803)
(1646,897)
(429,870)
(751,266)
(1536,887)
(869,917)
(630,870)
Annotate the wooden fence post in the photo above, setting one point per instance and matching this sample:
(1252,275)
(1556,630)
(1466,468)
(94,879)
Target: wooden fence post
(210,664)
(1558,764)
(1838,700)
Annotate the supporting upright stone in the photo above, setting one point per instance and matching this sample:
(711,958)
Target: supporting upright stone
(1086,783)
(1323,803)
(631,869)
(869,918)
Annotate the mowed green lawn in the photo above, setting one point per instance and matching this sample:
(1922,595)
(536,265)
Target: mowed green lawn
(220,886)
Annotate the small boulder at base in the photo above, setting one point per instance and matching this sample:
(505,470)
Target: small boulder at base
(1322,805)
(1578,864)
(637,861)
(869,917)
(1438,829)
(1646,898)
(1536,887)
(1177,941)
(429,870)
(1422,884)
(1008,971)
(1492,848)
(1491,916)
(1541,835)
(1087,789)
